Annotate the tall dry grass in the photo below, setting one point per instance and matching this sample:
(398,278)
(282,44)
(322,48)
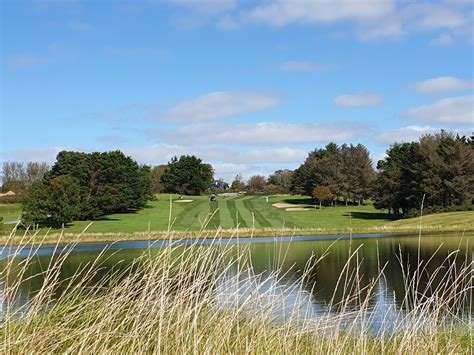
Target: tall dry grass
(207,299)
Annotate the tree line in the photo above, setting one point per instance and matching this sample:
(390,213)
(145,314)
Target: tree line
(438,169)
(346,171)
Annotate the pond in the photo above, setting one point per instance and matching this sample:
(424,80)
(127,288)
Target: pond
(386,262)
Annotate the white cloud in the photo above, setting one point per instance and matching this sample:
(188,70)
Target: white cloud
(442,85)
(222,104)
(373,19)
(226,161)
(265,133)
(454,110)
(389,28)
(358,100)
(280,155)
(229,169)
(227,23)
(163,152)
(285,12)
(302,66)
(404,134)
(80,26)
(444,39)
(429,17)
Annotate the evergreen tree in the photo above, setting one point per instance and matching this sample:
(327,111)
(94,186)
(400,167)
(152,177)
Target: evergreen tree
(107,183)
(362,174)
(56,202)
(439,167)
(36,204)
(187,176)
(347,171)
(63,200)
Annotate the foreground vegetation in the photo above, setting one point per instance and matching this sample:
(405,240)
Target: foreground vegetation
(209,301)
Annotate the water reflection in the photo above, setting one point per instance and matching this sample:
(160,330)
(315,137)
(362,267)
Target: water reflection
(299,277)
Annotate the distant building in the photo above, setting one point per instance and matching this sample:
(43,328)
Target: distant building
(219,185)
(8,193)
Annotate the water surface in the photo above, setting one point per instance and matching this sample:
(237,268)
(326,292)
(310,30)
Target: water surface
(281,261)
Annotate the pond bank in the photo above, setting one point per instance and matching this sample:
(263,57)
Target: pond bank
(40,238)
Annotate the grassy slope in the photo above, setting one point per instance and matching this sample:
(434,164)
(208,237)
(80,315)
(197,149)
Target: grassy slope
(462,220)
(253,211)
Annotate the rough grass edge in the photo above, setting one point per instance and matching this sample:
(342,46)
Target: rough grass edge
(86,237)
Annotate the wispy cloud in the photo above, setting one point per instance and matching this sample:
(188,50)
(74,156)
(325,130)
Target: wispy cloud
(444,39)
(31,59)
(32,154)
(210,7)
(454,110)
(358,100)
(47,5)
(80,26)
(302,66)
(145,52)
(222,104)
(371,19)
(285,12)
(112,141)
(442,85)
(195,13)
(404,134)
(227,162)
(264,133)
(162,152)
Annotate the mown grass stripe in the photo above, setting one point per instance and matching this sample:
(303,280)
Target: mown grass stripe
(237,218)
(244,213)
(277,218)
(214,215)
(224,213)
(192,217)
(259,218)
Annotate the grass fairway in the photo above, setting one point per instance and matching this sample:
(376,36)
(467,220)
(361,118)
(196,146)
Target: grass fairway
(231,212)
(10,212)
(254,212)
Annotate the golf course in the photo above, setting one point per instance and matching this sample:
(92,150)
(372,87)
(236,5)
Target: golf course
(255,214)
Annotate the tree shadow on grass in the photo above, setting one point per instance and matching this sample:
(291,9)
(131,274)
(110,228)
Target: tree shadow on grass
(105,218)
(371,216)
(146,207)
(299,201)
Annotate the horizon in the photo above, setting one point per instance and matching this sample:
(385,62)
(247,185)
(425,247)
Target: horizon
(249,87)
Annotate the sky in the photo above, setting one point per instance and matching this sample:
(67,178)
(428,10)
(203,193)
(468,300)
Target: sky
(248,86)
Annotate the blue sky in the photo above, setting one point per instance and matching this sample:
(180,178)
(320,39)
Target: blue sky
(249,86)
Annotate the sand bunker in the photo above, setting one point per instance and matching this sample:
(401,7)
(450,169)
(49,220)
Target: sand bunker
(283,205)
(297,209)
(183,201)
